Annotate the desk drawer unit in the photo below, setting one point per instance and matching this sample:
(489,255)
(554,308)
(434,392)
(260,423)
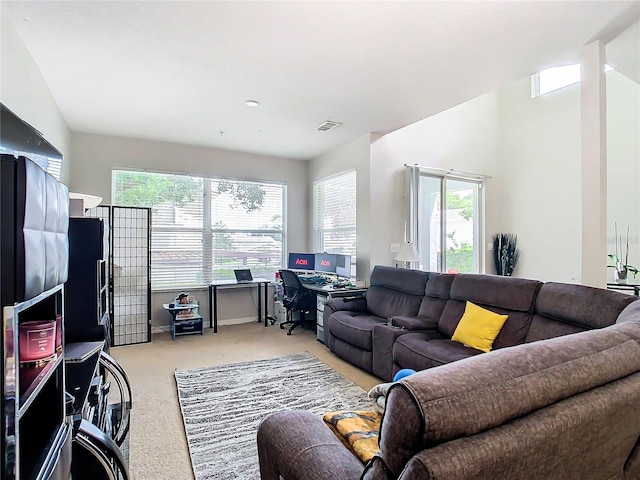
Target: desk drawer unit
(320,301)
(184,327)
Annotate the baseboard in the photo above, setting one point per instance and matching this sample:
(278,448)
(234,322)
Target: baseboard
(237,321)
(228,321)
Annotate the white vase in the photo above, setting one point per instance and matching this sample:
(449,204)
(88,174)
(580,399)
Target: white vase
(620,276)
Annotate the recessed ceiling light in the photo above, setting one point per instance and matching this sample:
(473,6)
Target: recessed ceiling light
(252,103)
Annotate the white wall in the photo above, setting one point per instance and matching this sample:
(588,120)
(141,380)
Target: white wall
(623,164)
(95,156)
(463,138)
(531,148)
(356,154)
(24,92)
(541,180)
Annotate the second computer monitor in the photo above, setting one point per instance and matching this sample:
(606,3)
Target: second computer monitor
(326,262)
(343,266)
(301,261)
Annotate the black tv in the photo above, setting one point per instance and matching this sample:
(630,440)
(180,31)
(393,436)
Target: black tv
(326,262)
(301,261)
(343,266)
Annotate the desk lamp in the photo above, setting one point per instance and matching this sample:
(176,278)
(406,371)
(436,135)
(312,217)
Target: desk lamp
(408,254)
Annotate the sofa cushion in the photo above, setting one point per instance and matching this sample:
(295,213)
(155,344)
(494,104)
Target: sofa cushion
(513,331)
(395,291)
(563,308)
(478,327)
(409,350)
(355,328)
(415,323)
(386,303)
(403,280)
(508,293)
(436,295)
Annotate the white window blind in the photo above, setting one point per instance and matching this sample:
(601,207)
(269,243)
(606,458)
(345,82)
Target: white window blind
(48,164)
(334,215)
(247,227)
(202,229)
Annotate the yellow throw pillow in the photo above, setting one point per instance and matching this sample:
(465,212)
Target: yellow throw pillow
(478,327)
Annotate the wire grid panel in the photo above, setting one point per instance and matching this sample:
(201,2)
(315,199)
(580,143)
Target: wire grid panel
(103,212)
(131,275)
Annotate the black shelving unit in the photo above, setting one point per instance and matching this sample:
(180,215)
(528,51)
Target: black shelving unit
(36,432)
(86,296)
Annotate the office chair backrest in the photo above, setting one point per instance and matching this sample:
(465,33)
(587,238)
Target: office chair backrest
(292,285)
(296,296)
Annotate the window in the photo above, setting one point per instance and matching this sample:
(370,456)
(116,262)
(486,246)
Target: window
(48,164)
(555,78)
(204,228)
(447,220)
(334,215)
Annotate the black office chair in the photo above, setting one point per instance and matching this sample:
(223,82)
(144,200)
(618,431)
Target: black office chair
(297,298)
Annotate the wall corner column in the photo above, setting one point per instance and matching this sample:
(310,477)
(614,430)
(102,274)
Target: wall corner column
(593,116)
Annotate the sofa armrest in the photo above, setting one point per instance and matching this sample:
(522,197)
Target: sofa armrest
(297,445)
(384,336)
(358,304)
(414,323)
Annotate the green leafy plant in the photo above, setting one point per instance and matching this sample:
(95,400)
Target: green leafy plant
(622,267)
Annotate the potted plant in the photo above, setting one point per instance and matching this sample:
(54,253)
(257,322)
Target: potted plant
(622,268)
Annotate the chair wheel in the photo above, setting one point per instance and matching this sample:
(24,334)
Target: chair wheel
(281,327)
(289,333)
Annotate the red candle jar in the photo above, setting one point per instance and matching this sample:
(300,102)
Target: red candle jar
(37,340)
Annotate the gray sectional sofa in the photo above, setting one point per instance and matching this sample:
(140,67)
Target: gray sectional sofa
(562,408)
(563,402)
(407,318)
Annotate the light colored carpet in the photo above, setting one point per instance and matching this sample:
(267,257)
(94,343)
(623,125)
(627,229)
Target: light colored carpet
(158,444)
(222,407)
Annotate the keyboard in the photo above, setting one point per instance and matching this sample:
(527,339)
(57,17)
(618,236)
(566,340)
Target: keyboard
(315,280)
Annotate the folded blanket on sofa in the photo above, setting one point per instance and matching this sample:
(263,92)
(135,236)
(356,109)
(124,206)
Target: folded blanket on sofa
(358,431)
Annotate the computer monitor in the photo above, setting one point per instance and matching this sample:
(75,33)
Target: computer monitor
(326,262)
(343,266)
(301,261)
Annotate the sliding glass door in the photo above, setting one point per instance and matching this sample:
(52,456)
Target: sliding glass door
(448,224)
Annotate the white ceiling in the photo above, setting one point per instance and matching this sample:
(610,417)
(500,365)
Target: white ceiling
(181,71)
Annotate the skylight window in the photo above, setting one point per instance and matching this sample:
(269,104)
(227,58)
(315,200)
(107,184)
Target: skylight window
(555,78)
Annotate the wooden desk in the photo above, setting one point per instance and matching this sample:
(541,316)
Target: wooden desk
(213,298)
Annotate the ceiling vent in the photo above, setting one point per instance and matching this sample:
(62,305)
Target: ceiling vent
(327,125)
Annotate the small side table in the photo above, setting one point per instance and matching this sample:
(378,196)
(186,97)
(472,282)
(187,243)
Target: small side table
(185,319)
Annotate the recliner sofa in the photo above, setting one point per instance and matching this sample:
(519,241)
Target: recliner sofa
(407,318)
(560,408)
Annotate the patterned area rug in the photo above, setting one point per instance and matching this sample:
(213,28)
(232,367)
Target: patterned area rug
(222,407)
